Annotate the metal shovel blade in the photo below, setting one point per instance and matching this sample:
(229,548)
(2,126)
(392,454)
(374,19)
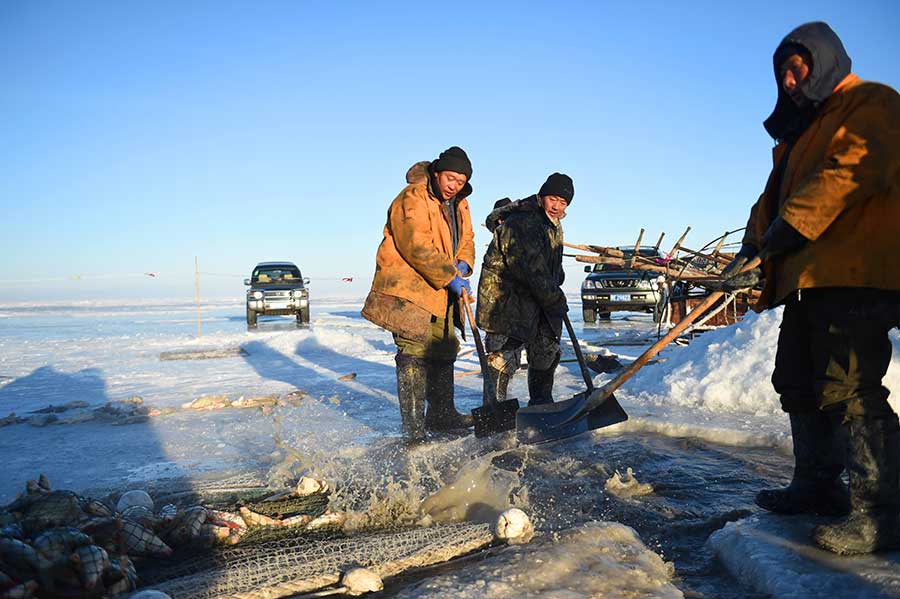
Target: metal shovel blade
(495,418)
(563,419)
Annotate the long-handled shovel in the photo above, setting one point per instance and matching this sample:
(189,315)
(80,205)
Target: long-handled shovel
(548,422)
(493,416)
(537,424)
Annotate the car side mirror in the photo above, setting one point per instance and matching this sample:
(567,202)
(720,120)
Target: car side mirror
(246,281)
(587,269)
(306,280)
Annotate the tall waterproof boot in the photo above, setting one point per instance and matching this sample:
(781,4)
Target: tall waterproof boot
(411,376)
(496,383)
(441,414)
(816,487)
(873,461)
(540,385)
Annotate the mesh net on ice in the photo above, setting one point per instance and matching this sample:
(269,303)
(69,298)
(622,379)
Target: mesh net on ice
(298,562)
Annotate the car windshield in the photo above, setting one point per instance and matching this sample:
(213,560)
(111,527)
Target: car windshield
(277,275)
(650,252)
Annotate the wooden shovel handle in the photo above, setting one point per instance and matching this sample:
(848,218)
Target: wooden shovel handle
(482,357)
(679,328)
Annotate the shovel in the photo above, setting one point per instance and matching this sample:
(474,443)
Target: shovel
(493,416)
(561,419)
(584,412)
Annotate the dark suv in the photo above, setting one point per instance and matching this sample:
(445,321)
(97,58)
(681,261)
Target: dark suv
(610,287)
(277,288)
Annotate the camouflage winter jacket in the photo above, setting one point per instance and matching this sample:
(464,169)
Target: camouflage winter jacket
(522,272)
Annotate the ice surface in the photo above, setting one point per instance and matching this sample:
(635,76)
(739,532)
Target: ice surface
(774,554)
(345,429)
(598,559)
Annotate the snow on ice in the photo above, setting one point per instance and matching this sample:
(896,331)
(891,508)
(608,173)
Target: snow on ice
(331,412)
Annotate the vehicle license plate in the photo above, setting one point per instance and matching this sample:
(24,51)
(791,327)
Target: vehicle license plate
(620,297)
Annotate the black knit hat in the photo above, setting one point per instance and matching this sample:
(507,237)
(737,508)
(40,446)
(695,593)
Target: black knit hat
(453,159)
(560,185)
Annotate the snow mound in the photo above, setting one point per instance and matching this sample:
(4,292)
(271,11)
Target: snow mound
(727,370)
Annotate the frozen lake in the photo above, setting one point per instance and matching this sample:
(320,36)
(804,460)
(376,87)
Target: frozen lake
(705,434)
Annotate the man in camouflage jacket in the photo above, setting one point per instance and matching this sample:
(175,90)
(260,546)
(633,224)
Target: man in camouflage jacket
(520,303)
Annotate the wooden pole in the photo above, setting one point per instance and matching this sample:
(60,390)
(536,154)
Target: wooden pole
(678,243)
(637,249)
(197,286)
(720,244)
(597,249)
(659,241)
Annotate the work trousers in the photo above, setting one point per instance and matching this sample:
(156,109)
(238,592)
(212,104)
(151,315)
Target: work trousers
(441,345)
(504,353)
(834,350)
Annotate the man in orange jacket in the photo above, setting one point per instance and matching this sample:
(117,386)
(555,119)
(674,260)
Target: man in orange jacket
(421,267)
(826,227)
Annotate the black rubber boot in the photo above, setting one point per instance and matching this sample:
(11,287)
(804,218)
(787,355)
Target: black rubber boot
(816,487)
(873,461)
(411,375)
(441,414)
(540,384)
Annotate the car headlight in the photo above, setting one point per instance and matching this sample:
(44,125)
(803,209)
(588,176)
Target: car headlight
(257,295)
(644,284)
(588,285)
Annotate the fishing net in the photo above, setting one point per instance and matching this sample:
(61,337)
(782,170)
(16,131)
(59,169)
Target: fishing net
(294,562)
(313,505)
(234,538)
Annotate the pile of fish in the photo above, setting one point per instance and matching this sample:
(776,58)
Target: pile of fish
(56,543)
(133,410)
(126,411)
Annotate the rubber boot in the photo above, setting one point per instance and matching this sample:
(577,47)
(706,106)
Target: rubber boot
(441,414)
(411,375)
(816,487)
(873,461)
(497,383)
(540,385)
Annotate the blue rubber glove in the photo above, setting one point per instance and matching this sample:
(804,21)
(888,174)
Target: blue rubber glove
(457,285)
(464,268)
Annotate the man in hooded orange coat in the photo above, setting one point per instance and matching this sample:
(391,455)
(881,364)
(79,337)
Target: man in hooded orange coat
(826,228)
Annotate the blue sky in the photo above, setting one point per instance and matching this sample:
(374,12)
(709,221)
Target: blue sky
(138,135)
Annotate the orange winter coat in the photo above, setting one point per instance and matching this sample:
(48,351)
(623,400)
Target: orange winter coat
(840,190)
(415,260)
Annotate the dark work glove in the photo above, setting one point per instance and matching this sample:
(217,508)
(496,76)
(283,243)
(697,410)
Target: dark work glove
(734,280)
(780,238)
(463,268)
(555,314)
(558,310)
(743,256)
(457,285)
